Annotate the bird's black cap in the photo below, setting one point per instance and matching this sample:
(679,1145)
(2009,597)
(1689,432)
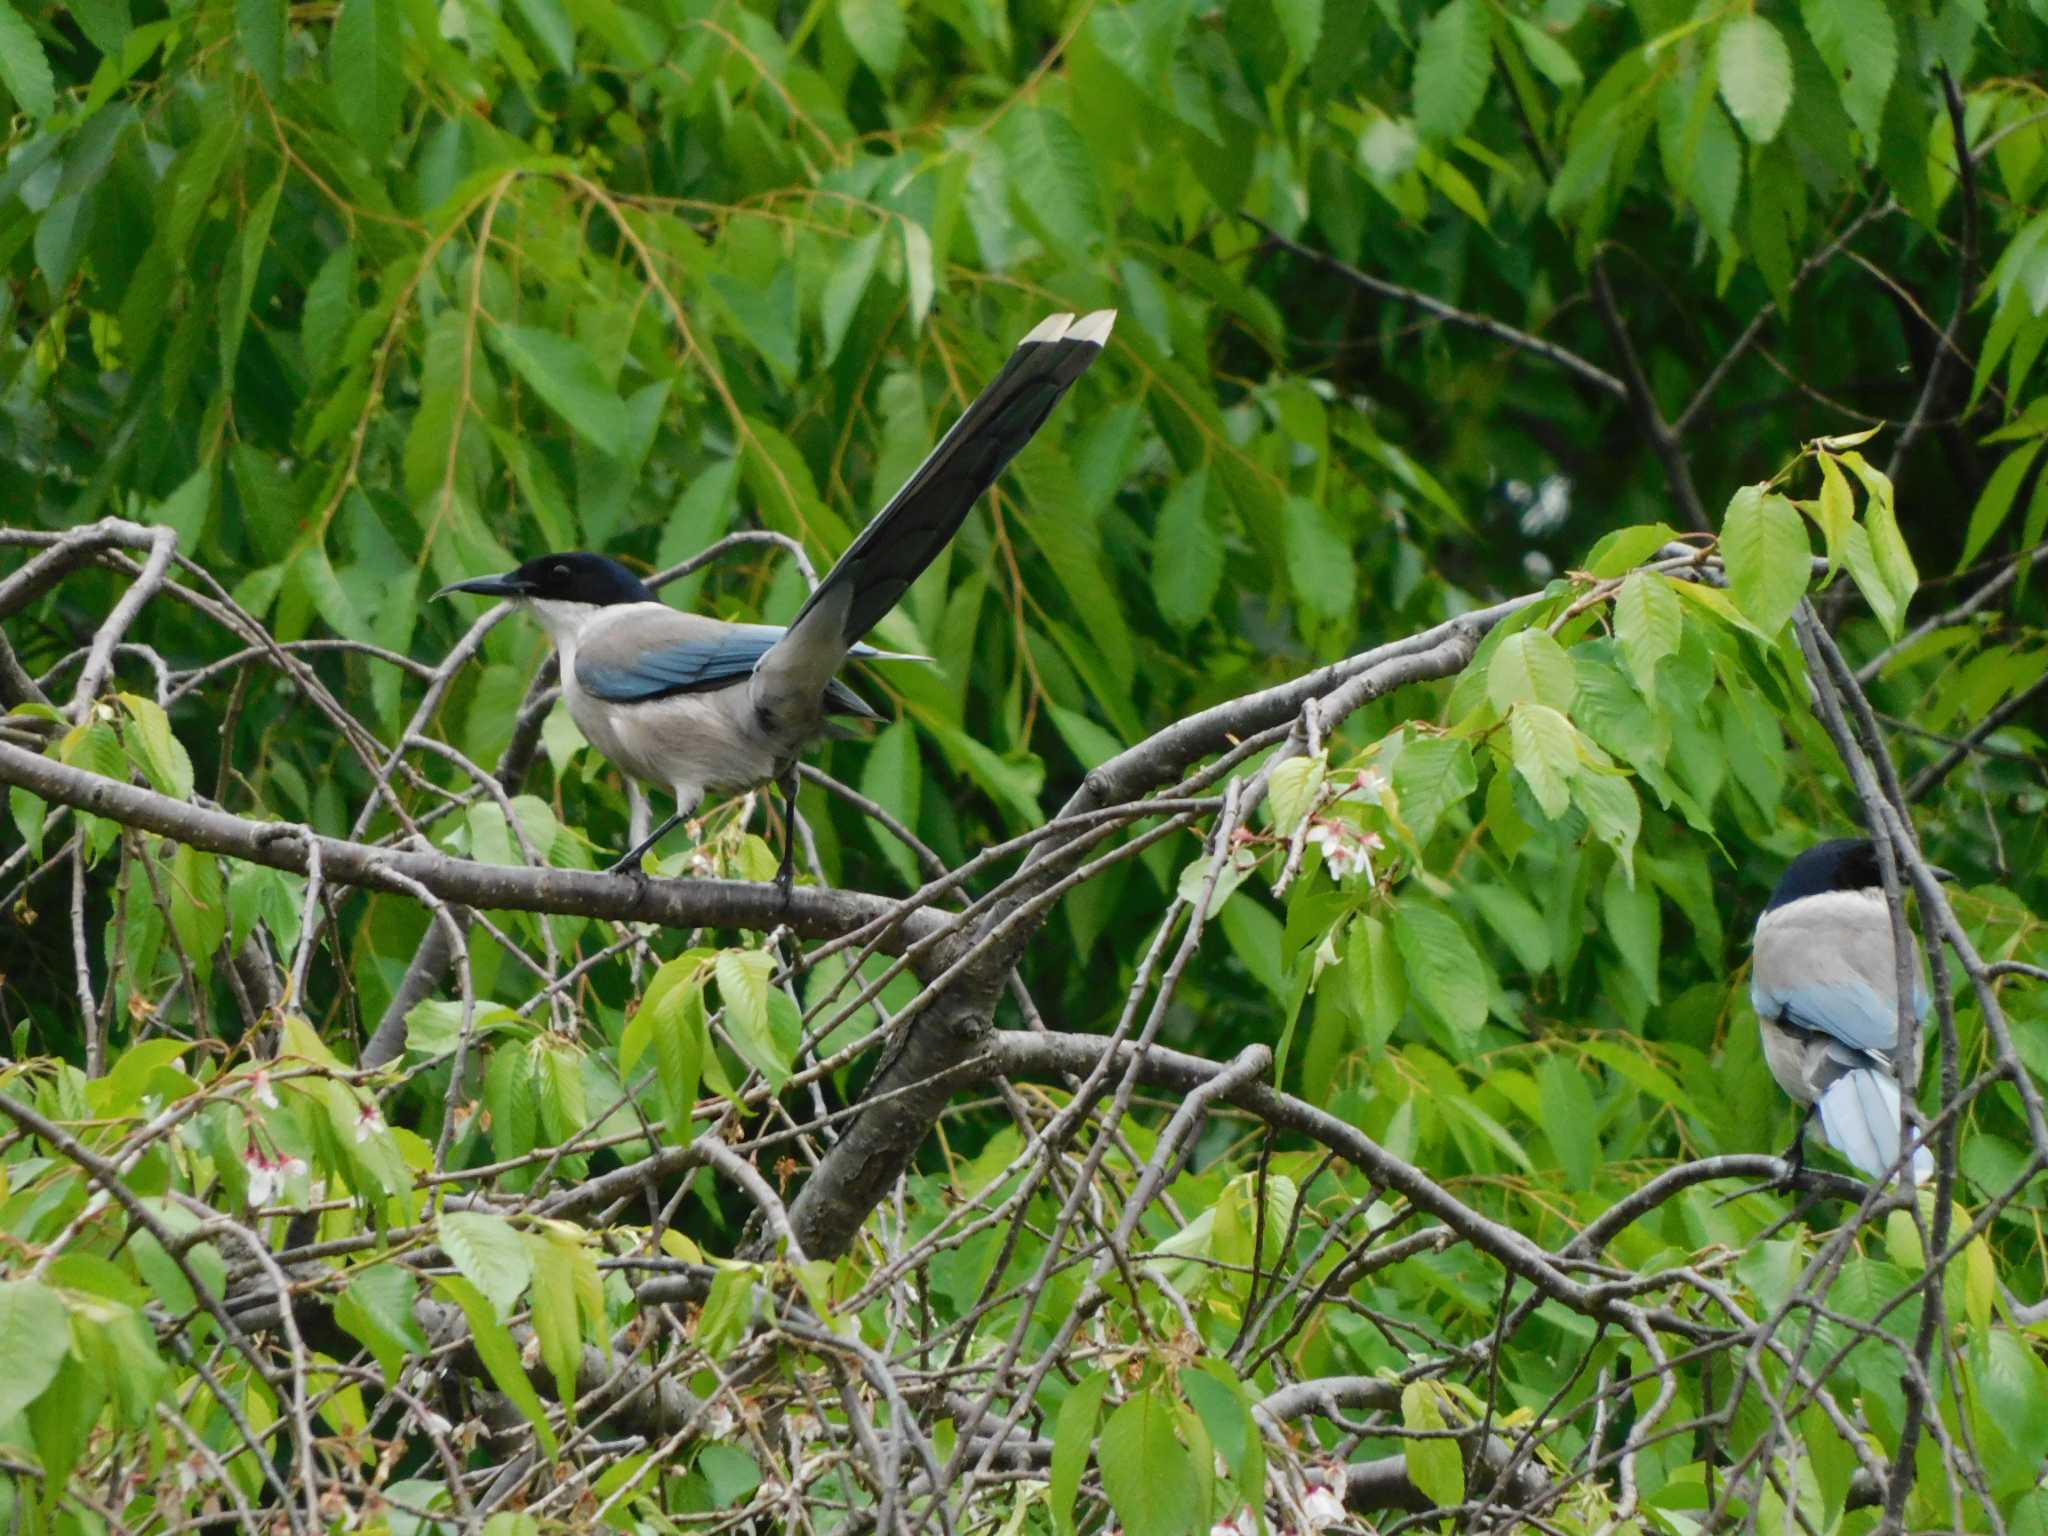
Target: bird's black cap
(1840,864)
(573,577)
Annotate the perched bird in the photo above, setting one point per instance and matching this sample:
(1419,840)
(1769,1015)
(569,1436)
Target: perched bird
(691,703)
(1826,994)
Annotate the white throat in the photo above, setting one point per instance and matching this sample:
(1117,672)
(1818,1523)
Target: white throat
(563,620)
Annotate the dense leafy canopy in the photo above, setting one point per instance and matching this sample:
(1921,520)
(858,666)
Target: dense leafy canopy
(1441,325)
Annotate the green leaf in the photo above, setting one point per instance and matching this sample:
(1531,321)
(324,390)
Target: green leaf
(556,1311)
(35,1340)
(1530,666)
(1768,556)
(494,1346)
(364,62)
(1073,1438)
(1551,58)
(24,68)
(376,1307)
(260,27)
(1569,1118)
(199,907)
(1755,68)
(1860,46)
(155,749)
(1320,567)
(1146,1471)
(1893,560)
(1835,509)
(1546,753)
(1452,67)
(1648,622)
(1187,554)
(564,375)
(1442,966)
(1995,504)
(487,1250)
(1626,548)
(844,290)
(1293,789)
(1378,984)
(744,982)
(1436,1466)
(1301,24)
(1612,811)
(1634,925)
(877,30)
(1515,918)
(1053,175)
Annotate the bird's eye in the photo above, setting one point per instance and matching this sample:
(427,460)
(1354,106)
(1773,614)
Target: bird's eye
(561,572)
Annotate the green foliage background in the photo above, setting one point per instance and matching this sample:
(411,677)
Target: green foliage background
(369,297)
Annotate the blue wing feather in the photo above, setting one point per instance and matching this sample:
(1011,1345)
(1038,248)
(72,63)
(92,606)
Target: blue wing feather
(697,664)
(1851,1012)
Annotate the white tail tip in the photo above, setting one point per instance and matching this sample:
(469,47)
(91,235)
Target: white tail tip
(1093,328)
(1051,328)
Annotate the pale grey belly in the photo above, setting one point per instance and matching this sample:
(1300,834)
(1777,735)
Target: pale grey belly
(689,742)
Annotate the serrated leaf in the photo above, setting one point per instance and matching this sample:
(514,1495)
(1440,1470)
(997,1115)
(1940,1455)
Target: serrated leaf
(1320,567)
(1767,555)
(1634,925)
(1648,623)
(1530,665)
(844,290)
(367,69)
(1378,984)
(1073,1442)
(24,67)
(376,1306)
(35,1340)
(557,1314)
(1994,505)
(1435,1466)
(1146,1471)
(1292,790)
(1442,966)
(155,748)
(1452,66)
(563,374)
(1546,753)
(494,1346)
(877,30)
(260,28)
(1858,42)
(1835,509)
(1052,174)
(490,1254)
(1187,554)
(1551,58)
(1755,69)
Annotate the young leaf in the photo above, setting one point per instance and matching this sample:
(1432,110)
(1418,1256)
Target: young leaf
(1452,66)
(1073,1437)
(1530,666)
(1320,566)
(487,1250)
(1187,554)
(24,68)
(35,1338)
(1146,1471)
(1436,1467)
(1546,752)
(1648,623)
(1995,504)
(557,1320)
(1445,969)
(499,1354)
(1756,75)
(1765,548)
(367,70)
(877,30)
(1860,46)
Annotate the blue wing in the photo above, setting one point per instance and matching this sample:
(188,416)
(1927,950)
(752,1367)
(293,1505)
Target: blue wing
(650,652)
(626,666)
(1846,1010)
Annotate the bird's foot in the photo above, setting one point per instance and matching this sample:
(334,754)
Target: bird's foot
(1794,1158)
(785,885)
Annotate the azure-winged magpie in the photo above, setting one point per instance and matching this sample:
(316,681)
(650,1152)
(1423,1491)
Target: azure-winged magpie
(1826,994)
(693,703)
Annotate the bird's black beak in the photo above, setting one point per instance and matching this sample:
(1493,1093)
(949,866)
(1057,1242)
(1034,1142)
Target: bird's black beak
(508,585)
(1942,874)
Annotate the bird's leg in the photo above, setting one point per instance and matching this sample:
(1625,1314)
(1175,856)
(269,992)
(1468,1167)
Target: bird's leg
(785,872)
(631,861)
(1796,1153)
